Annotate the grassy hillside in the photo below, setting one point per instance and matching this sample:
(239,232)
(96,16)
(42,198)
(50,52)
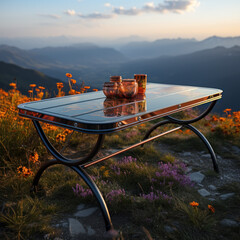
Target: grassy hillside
(148,191)
(24,77)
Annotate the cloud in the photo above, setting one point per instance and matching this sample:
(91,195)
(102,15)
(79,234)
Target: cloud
(122,11)
(168,6)
(107,5)
(96,15)
(53,16)
(70,12)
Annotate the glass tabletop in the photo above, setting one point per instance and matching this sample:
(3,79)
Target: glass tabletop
(94,113)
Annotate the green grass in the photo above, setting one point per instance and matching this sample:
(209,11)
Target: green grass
(30,216)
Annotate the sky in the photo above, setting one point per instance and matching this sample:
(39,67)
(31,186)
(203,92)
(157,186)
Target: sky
(111,19)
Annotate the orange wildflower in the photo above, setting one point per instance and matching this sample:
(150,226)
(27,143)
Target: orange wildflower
(37,90)
(14,85)
(59,85)
(30,91)
(227,110)
(42,88)
(73,81)
(24,172)
(211,208)
(95,90)
(33,157)
(87,87)
(194,204)
(69,75)
(214,118)
(60,138)
(41,94)
(222,119)
(72,92)
(32,85)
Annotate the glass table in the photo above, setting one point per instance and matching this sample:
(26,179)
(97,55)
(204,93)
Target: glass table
(93,113)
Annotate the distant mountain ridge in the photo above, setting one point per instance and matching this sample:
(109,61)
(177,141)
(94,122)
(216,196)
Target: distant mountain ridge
(174,47)
(81,54)
(218,68)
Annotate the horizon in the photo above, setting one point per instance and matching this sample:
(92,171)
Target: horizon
(107,20)
(28,43)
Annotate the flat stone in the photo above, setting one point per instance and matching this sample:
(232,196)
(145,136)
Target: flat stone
(203,192)
(75,227)
(196,177)
(211,199)
(189,169)
(168,229)
(65,224)
(205,155)
(86,212)
(90,231)
(212,187)
(236,149)
(229,223)
(80,206)
(186,154)
(226,196)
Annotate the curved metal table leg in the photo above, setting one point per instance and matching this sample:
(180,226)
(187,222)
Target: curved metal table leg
(204,114)
(207,144)
(87,179)
(40,172)
(193,129)
(155,127)
(60,157)
(73,164)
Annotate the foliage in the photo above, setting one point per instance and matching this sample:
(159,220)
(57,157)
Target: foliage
(146,181)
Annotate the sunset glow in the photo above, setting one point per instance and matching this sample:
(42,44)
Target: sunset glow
(115,19)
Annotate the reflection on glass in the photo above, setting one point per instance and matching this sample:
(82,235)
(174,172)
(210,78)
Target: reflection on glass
(125,107)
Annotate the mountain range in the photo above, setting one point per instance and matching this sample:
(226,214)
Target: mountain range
(217,67)
(174,47)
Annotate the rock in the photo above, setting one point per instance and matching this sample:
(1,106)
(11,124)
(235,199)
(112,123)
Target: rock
(75,227)
(211,199)
(80,206)
(90,231)
(212,187)
(205,155)
(203,192)
(196,177)
(229,223)
(47,236)
(236,149)
(186,154)
(86,212)
(226,196)
(168,229)
(64,224)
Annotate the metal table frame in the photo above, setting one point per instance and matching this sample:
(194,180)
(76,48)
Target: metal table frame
(80,165)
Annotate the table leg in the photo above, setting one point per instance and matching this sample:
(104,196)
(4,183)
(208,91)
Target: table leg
(73,164)
(186,123)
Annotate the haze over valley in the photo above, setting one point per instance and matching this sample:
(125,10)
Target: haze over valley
(213,62)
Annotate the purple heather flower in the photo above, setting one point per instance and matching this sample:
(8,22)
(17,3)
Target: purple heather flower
(114,194)
(80,191)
